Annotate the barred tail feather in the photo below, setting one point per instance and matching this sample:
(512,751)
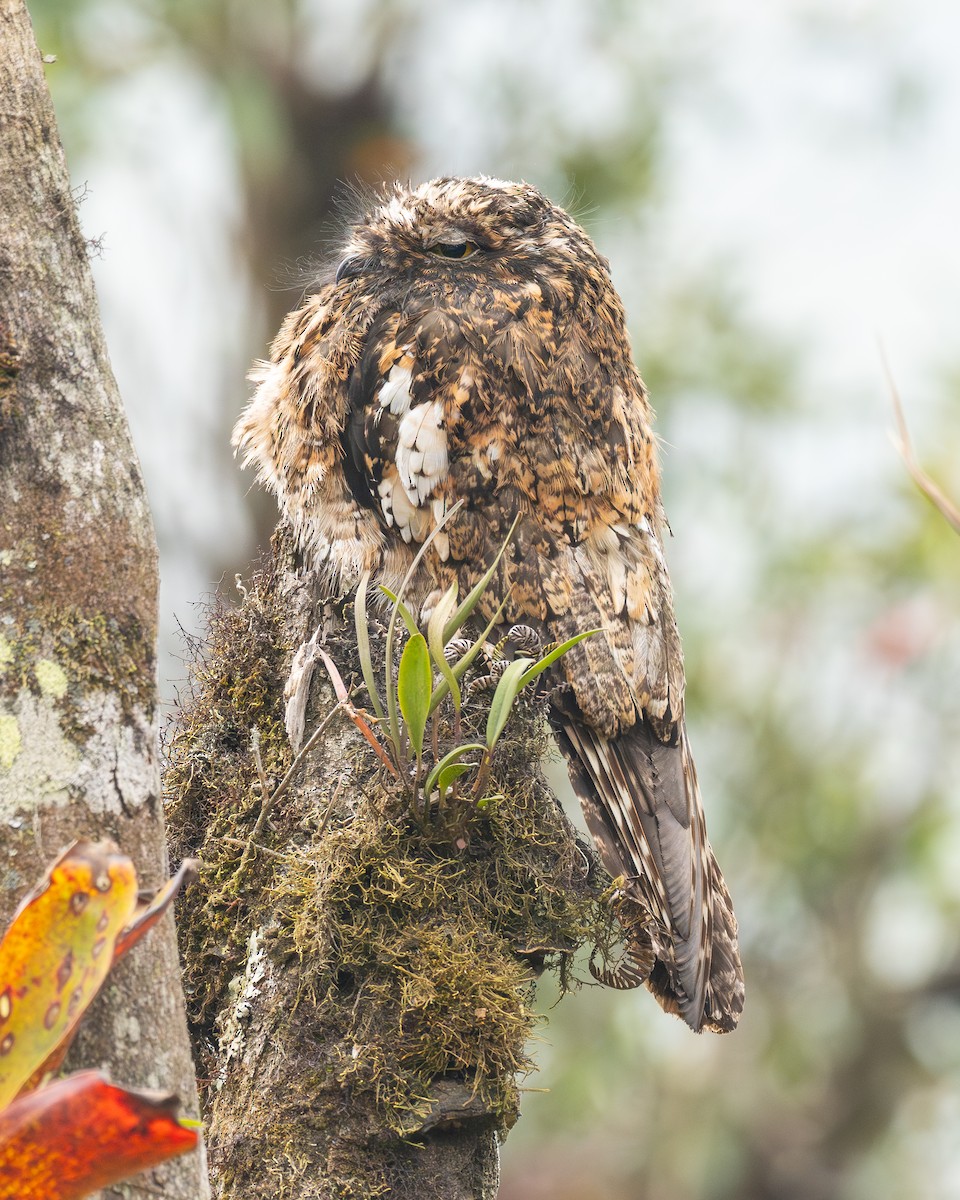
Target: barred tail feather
(642,805)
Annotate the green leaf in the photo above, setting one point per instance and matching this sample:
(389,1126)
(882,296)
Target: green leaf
(557,652)
(401,608)
(488,801)
(438,620)
(435,640)
(459,618)
(449,774)
(363,644)
(448,760)
(503,698)
(392,730)
(394,724)
(518,674)
(459,668)
(414,688)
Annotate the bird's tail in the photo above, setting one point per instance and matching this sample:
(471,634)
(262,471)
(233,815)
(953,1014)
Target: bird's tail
(642,805)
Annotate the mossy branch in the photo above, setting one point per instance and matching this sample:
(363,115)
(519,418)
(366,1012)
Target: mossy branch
(363,999)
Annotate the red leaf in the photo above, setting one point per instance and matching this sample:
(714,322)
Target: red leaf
(357,718)
(83,1133)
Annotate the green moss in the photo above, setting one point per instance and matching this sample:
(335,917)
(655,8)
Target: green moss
(212,787)
(418,947)
(426,955)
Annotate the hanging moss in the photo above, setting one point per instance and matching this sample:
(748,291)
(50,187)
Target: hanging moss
(425,955)
(416,945)
(212,785)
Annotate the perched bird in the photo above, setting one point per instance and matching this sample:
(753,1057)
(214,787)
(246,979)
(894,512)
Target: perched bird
(470,346)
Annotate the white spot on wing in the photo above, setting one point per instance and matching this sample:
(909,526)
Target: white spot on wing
(421,451)
(402,511)
(395,392)
(385,490)
(413,523)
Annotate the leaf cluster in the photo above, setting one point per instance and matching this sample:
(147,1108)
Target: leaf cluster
(430,673)
(71,1137)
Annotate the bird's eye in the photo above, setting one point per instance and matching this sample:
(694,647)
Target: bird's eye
(454,249)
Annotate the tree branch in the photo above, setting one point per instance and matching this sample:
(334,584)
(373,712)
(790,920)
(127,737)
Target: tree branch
(361,992)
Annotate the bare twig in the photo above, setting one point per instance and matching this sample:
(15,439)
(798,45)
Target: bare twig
(328,811)
(340,706)
(944,505)
(258,761)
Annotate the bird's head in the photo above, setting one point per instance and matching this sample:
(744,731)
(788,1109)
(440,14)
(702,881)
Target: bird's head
(463,231)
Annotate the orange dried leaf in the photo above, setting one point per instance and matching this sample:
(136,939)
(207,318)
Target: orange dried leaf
(343,695)
(83,1133)
(149,912)
(57,952)
(357,718)
(339,687)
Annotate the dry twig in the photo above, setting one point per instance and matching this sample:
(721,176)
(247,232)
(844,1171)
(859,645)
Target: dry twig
(939,499)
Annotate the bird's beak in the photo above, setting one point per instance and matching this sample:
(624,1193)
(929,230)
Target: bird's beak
(348,268)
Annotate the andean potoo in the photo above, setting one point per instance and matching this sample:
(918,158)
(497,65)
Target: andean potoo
(468,345)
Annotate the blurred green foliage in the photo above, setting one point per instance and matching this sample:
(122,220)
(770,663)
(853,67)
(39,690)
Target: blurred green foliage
(816,590)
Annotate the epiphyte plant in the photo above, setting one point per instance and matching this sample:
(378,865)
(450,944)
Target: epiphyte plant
(431,670)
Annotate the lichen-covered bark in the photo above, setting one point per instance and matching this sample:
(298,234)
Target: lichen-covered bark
(360,982)
(78,591)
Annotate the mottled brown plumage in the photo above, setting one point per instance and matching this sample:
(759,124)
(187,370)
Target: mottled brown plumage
(471,347)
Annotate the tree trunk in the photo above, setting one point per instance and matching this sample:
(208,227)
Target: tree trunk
(78,592)
(360,978)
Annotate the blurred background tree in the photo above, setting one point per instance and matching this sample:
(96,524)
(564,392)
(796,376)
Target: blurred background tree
(774,188)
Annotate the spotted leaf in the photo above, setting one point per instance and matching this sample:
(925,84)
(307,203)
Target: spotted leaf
(56,954)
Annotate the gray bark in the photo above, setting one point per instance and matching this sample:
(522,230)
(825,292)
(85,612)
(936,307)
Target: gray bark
(78,594)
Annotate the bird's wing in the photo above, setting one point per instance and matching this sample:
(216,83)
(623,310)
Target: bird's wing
(622,724)
(396,438)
